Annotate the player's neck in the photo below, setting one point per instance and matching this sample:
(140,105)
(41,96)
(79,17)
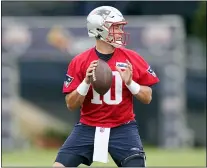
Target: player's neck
(103,47)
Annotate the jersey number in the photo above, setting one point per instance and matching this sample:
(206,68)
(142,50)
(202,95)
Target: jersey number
(107,97)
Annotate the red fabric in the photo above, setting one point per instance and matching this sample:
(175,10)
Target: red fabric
(116,106)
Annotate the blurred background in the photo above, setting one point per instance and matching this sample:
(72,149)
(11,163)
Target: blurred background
(39,39)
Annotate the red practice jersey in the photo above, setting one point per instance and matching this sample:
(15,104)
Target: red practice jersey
(116,106)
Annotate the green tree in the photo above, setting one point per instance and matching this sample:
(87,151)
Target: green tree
(199,22)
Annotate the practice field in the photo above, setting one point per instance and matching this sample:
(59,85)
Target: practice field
(155,157)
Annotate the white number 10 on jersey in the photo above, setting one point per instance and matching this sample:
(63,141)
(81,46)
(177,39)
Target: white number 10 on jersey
(107,97)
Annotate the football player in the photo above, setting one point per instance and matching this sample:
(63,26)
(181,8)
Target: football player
(107,123)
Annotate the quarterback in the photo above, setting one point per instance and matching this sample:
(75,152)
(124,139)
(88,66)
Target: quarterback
(107,123)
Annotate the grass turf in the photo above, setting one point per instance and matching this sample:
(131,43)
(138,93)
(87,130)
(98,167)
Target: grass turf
(155,157)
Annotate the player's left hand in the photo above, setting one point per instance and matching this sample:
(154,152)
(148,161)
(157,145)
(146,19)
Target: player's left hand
(126,75)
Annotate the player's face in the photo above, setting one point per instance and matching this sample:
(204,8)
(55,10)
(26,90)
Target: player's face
(117,34)
(116,31)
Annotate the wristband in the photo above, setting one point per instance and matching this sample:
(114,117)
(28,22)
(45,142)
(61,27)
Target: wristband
(133,87)
(83,88)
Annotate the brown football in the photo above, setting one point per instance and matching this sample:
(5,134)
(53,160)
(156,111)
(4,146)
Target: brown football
(102,78)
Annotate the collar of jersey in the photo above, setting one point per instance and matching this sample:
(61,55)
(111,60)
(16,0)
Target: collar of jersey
(104,57)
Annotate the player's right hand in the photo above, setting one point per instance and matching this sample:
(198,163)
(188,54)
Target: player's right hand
(89,71)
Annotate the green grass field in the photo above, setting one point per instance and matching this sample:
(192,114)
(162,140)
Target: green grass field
(155,157)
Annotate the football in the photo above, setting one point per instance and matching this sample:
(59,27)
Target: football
(101,79)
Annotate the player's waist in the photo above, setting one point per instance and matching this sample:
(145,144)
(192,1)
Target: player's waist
(108,123)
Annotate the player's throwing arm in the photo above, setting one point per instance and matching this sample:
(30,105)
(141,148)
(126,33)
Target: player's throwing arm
(142,93)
